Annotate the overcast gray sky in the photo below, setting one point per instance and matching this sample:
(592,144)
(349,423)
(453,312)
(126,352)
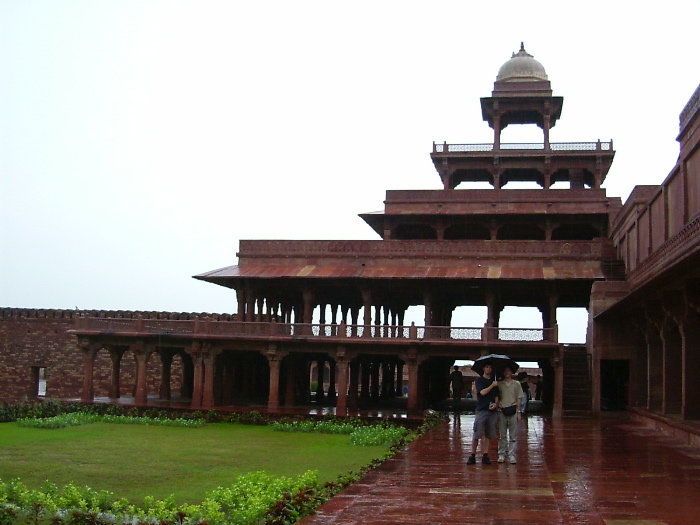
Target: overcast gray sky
(141,140)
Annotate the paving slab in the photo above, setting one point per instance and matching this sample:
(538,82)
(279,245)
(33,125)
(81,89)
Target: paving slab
(605,471)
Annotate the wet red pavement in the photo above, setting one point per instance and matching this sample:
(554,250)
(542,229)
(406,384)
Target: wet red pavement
(610,471)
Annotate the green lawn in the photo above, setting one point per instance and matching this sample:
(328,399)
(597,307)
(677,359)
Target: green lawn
(134,461)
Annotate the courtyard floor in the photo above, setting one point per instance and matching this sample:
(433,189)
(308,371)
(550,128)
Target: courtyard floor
(610,471)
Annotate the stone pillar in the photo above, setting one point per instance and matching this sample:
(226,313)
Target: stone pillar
(655,374)
(354,320)
(274,359)
(141,353)
(307,315)
(413,361)
(209,364)
(547,175)
(250,306)
(672,368)
(322,319)
(341,360)
(367,305)
(428,305)
(558,365)
(496,128)
(240,296)
(89,353)
(412,386)
(198,374)
(166,362)
(115,355)
(493,316)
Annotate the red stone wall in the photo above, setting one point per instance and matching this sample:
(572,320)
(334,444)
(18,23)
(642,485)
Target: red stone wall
(32,338)
(663,218)
(38,338)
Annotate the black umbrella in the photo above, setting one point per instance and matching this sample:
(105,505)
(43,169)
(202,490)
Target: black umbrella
(498,361)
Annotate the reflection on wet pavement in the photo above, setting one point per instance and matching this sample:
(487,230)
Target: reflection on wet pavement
(609,471)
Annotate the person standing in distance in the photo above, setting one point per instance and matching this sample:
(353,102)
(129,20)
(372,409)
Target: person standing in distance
(457,383)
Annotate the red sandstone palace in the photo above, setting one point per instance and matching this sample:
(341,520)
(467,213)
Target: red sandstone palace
(340,305)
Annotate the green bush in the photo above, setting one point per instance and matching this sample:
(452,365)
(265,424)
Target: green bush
(251,499)
(76,419)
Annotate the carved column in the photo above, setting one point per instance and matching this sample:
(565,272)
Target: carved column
(115,354)
(274,359)
(166,363)
(250,306)
(307,314)
(655,354)
(240,296)
(141,354)
(494,313)
(341,359)
(496,128)
(89,353)
(367,305)
(428,305)
(558,365)
(198,374)
(673,352)
(413,362)
(208,363)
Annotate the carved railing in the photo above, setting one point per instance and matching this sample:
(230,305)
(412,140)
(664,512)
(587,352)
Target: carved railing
(554,146)
(672,251)
(222,329)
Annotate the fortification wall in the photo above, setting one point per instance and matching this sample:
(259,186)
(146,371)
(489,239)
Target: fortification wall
(34,341)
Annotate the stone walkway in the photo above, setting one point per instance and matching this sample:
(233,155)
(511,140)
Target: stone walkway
(608,471)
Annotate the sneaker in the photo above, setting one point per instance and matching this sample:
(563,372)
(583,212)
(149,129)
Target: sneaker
(512,461)
(501,459)
(485,460)
(471,460)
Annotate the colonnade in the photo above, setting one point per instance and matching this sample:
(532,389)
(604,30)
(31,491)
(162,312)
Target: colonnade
(379,309)
(663,348)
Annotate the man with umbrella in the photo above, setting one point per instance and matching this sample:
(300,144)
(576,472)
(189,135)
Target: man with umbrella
(486,404)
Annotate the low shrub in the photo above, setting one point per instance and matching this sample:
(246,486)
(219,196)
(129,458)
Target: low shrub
(76,419)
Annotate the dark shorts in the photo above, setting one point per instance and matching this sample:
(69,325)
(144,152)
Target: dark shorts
(485,423)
